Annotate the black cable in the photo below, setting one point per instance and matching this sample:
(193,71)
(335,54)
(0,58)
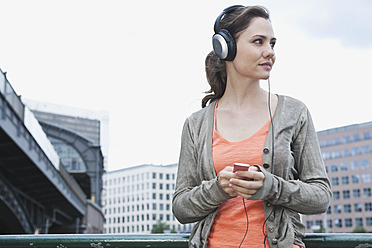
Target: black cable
(272,155)
(246,230)
(272,161)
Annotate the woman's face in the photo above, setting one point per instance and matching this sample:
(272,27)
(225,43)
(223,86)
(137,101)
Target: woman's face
(255,50)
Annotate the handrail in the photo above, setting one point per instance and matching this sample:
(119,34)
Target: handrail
(321,240)
(93,240)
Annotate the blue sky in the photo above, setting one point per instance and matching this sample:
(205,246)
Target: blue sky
(143,62)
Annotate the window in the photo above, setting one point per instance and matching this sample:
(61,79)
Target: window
(326,155)
(356,193)
(336,195)
(337,141)
(346,139)
(355,151)
(366,178)
(355,179)
(345,152)
(329,223)
(354,165)
(338,223)
(367,192)
(344,166)
(356,137)
(329,211)
(348,222)
(319,223)
(345,180)
(154,175)
(327,142)
(357,207)
(335,181)
(335,154)
(364,164)
(369,221)
(337,209)
(366,135)
(365,149)
(359,221)
(346,194)
(347,208)
(368,206)
(334,168)
(309,224)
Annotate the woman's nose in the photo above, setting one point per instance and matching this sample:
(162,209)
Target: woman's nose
(269,51)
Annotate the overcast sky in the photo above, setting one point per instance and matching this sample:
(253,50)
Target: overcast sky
(143,62)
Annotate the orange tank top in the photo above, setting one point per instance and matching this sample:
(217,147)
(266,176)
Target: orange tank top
(230,223)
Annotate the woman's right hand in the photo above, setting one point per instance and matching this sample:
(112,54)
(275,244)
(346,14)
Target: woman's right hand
(224,179)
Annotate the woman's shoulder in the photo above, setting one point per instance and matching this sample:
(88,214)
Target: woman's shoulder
(291,101)
(203,113)
(286,103)
(291,109)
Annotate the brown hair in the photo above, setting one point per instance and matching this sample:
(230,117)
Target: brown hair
(235,21)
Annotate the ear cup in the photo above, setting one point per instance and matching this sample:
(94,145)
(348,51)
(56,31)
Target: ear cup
(224,45)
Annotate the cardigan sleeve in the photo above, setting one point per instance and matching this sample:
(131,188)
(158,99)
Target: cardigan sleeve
(195,195)
(307,188)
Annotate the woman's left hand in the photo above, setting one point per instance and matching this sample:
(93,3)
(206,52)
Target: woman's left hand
(246,183)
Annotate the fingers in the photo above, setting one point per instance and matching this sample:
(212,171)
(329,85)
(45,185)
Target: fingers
(224,178)
(247,183)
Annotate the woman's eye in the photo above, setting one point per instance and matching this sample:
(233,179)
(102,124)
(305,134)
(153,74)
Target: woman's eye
(258,41)
(272,44)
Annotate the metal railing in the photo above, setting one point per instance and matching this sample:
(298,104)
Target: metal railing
(322,240)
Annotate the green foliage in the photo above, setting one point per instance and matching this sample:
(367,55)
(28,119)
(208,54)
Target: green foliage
(359,229)
(320,230)
(161,227)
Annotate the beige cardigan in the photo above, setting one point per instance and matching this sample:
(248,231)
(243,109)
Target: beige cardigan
(299,183)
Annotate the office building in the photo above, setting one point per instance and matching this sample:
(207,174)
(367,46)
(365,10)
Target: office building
(136,198)
(347,156)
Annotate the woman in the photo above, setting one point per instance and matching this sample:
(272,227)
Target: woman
(259,207)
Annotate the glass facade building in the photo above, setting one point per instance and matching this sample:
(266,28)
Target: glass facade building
(347,156)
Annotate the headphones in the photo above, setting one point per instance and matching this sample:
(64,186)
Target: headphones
(224,45)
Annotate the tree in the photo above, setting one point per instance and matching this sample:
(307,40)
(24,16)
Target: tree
(160,227)
(359,229)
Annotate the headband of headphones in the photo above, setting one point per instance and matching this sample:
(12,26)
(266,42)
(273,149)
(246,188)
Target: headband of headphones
(224,44)
(218,19)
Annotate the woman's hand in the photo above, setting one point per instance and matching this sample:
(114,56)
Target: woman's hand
(246,183)
(224,178)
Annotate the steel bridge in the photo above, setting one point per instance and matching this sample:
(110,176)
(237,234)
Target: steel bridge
(37,194)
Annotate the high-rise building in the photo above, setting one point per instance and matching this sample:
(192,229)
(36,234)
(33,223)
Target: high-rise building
(136,198)
(347,156)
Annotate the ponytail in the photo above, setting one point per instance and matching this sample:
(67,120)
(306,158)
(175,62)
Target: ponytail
(215,69)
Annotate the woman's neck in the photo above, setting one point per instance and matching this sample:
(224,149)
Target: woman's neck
(242,94)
